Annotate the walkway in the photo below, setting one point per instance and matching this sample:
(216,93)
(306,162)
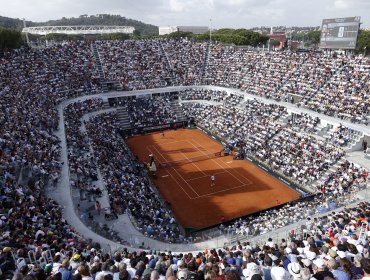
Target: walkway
(63,194)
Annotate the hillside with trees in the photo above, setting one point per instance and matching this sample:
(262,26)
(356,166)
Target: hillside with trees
(102,19)
(9,39)
(239,37)
(13,23)
(363,42)
(311,36)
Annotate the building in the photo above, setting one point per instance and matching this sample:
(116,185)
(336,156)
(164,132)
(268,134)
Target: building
(78,30)
(164,30)
(194,29)
(278,36)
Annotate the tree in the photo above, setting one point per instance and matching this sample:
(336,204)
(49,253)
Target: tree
(240,37)
(103,19)
(363,42)
(116,36)
(62,37)
(314,37)
(10,39)
(299,36)
(202,37)
(274,43)
(137,33)
(179,34)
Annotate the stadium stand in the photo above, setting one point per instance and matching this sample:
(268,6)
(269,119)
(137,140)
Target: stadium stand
(134,64)
(38,243)
(186,59)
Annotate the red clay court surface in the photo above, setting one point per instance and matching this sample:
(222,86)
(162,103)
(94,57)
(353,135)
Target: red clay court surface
(241,188)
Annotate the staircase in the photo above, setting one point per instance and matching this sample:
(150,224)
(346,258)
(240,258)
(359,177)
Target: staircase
(99,67)
(306,99)
(316,184)
(170,79)
(355,141)
(285,119)
(205,65)
(106,105)
(117,85)
(123,118)
(324,131)
(178,111)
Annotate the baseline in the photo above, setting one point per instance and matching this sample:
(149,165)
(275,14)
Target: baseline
(233,188)
(192,163)
(173,178)
(200,177)
(249,181)
(174,169)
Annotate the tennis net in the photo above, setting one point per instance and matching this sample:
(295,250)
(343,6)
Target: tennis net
(188,160)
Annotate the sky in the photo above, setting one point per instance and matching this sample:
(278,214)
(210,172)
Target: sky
(215,13)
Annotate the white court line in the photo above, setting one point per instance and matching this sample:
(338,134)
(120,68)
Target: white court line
(186,181)
(173,142)
(218,163)
(224,190)
(191,179)
(190,161)
(250,182)
(168,173)
(148,148)
(174,169)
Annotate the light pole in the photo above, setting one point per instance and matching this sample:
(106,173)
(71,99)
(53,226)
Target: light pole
(210,30)
(27,39)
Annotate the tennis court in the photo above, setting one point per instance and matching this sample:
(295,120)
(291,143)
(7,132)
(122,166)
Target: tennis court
(186,160)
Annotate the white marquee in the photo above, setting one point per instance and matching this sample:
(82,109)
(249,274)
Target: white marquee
(78,30)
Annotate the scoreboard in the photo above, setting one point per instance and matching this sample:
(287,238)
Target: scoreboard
(339,33)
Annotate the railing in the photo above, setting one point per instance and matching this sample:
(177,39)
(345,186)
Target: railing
(222,236)
(299,228)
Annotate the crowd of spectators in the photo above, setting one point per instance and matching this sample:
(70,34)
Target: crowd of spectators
(135,64)
(346,94)
(298,156)
(250,125)
(336,189)
(269,71)
(127,181)
(33,82)
(82,164)
(322,80)
(151,111)
(304,122)
(314,76)
(316,70)
(212,95)
(335,246)
(203,94)
(186,59)
(227,65)
(343,136)
(258,131)
(346,176)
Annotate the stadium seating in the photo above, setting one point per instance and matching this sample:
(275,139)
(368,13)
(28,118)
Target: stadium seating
(38,243)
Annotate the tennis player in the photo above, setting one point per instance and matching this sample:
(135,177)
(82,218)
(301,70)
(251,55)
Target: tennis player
(213,179)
